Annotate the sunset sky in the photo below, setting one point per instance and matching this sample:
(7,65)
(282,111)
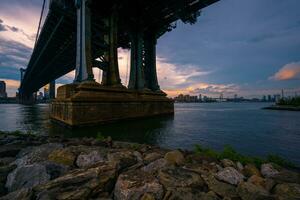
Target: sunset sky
(245,47)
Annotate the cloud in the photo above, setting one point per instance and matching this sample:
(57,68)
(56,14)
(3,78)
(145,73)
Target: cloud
(206,89)
(5,27)
(289,71)
(2,26)
(13,54)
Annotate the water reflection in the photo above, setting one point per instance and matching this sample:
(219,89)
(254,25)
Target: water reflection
(148,130)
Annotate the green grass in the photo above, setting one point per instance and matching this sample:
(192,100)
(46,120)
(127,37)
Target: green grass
(100,137)
(135,146)
(230,153)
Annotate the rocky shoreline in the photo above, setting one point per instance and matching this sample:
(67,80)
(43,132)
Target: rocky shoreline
(45,168)
(283,107)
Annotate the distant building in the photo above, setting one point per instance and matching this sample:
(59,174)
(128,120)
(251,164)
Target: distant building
(269,98)
(40,96)
(3,93)
(277,97)
(47,92)
(200,97)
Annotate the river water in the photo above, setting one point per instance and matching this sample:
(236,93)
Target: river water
(245,126)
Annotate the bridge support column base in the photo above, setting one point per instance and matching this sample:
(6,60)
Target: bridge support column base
(90,103)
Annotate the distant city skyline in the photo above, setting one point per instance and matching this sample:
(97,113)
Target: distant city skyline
(249,47)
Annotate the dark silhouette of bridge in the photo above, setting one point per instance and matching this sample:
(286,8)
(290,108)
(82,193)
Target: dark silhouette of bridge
(82,34)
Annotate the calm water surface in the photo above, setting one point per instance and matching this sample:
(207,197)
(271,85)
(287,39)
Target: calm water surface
(245,126)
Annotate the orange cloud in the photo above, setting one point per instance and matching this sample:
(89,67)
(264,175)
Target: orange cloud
(205,89)
(288,72)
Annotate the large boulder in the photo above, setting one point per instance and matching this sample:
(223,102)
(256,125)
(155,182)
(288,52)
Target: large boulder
(88,159)
(22,194)
(268,170)
(62,156)
(134,185)
(239,166)
(27,177)
(80,183)
(31,155)
(154,166)
(10,150)
(257,180)
(250,170)
(147,196)
(4,171)
(122,159)
(6,160)
(287,191)
(287,176)
(249,191)
(150,157)
(228,163)
(230,175)
(183,194)
(210,196)
(224,190)
(174,157)
(179,177)
(267,184)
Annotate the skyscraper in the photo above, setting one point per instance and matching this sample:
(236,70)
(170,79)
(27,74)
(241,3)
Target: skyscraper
(3,93)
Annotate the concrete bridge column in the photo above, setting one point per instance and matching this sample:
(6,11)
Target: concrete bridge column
(136,79)
(84,70)
(150,62)
(27,99)
(111,76)
(52,90)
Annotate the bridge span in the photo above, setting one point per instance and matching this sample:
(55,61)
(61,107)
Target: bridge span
(82,34)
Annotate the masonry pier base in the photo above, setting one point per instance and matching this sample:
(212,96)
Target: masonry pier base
(90,103)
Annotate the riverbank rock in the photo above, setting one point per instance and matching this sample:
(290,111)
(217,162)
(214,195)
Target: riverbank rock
(31,155)
(249,191)
(22,194)
(4,171)
(88,159)
(178,177)
(174,157)
(287,191)
(62,156)
(58,168)
(239,166)
(10,150)
(268,170)
(224,190)
(122,159)
(183,194)
(80,183)
(27,177)
(250,170)
(154,166)
(4,161)
(133,185)
(152,157)
(230,175)
(257,180)
(287,176)
(228,163)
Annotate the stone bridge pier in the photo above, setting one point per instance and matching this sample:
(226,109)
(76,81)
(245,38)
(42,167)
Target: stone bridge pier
(86,102)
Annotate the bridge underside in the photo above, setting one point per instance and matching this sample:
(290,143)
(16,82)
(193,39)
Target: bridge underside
(87,34)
